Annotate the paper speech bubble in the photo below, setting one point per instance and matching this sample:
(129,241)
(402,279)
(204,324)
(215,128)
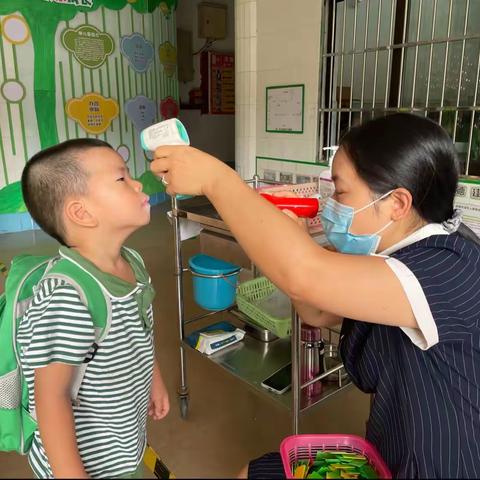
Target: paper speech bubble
(138,51)
(93,112)
(169,108)
(90,46)
(141,111)
(168,58)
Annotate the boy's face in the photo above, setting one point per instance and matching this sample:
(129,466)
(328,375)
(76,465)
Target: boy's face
(114,198)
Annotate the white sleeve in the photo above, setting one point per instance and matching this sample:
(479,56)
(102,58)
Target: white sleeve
(426,335)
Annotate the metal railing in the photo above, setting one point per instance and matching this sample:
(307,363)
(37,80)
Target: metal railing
(419,56)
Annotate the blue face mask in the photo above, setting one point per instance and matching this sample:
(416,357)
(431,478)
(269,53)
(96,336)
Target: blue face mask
(337,220)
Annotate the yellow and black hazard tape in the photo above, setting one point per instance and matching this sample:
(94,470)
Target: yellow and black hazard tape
(155,464)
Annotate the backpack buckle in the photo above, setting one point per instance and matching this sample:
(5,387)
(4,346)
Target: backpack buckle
(91,354)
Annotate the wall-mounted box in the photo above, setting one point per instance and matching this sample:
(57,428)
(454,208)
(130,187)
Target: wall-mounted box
(212,20)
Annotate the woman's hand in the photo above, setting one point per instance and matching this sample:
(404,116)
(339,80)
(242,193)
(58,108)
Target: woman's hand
(302,222)
(187,170)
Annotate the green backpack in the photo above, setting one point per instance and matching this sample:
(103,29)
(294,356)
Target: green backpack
(17,426)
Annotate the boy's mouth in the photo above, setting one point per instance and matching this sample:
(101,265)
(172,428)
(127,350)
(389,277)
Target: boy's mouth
(146,201)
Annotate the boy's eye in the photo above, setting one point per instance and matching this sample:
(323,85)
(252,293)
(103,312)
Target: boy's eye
(121,179)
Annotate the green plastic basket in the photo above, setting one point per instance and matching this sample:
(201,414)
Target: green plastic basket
(254,290)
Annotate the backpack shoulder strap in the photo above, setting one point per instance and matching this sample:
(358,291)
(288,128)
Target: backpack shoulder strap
(90,290)
(96,299)
(24,274)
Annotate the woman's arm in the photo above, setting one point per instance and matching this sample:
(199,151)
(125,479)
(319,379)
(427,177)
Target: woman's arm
(316,318)
(351,286)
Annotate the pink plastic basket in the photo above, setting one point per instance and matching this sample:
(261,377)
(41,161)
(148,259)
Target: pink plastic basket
(304,447)
(303,190)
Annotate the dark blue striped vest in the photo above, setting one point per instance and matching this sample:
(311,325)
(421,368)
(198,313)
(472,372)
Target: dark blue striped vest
(425,419)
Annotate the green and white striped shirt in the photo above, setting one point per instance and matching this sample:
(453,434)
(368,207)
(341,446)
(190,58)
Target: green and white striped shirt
(111,409)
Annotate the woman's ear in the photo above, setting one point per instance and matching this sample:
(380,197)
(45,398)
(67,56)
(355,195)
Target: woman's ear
(402,203)
(77,213)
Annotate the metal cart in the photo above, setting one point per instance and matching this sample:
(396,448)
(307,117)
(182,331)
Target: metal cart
(250,360)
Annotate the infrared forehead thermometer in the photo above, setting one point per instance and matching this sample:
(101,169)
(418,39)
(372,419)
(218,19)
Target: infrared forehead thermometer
(168,132)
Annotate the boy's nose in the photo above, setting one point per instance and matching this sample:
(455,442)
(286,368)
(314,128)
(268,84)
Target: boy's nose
(138,186)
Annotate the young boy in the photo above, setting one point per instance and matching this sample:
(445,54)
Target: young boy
(81,193)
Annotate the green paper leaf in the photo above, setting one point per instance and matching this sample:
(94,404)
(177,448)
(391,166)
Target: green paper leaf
(150,183)
(11,199)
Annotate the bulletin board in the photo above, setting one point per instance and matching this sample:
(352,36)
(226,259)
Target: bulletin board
(467,200)
(285,109)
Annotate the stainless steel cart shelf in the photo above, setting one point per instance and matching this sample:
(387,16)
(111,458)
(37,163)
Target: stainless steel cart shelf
(251,360)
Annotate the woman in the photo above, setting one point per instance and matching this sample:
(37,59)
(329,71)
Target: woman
(411,332)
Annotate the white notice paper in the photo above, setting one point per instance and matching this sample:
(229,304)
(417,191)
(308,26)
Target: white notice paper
(285,109)
(467,200)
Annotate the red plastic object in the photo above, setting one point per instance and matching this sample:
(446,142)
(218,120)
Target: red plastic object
(302,207)
(304,447)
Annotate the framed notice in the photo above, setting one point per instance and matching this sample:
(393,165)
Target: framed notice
(218,82)
(467,200)
(284,109)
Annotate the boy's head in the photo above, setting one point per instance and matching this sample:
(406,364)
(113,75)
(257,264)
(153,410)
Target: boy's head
(82,185)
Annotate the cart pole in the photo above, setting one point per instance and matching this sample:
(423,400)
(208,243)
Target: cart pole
(183,389)
(296,385)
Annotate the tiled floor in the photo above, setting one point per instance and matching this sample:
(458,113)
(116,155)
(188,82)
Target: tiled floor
(228,423)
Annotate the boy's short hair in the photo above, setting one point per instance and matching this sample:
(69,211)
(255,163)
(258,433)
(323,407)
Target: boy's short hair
(50,176)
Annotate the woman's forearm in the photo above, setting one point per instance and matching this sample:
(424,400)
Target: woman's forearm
(339,283)
(312,316)
(274,242)
(306,272)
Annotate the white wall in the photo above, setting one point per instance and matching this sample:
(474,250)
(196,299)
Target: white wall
(212,133)
(277,43)
(288,52)
(245,87)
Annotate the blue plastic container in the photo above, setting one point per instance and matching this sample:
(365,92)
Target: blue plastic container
(214,282)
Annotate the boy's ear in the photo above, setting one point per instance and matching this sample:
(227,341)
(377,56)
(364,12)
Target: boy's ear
(76,212)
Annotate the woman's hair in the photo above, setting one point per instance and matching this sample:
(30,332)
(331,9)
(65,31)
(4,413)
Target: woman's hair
(412,152)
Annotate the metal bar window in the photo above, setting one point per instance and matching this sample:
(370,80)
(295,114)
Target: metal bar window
(419,56)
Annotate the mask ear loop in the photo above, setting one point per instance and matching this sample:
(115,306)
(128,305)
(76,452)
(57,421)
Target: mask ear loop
(374,202)
(384,228)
